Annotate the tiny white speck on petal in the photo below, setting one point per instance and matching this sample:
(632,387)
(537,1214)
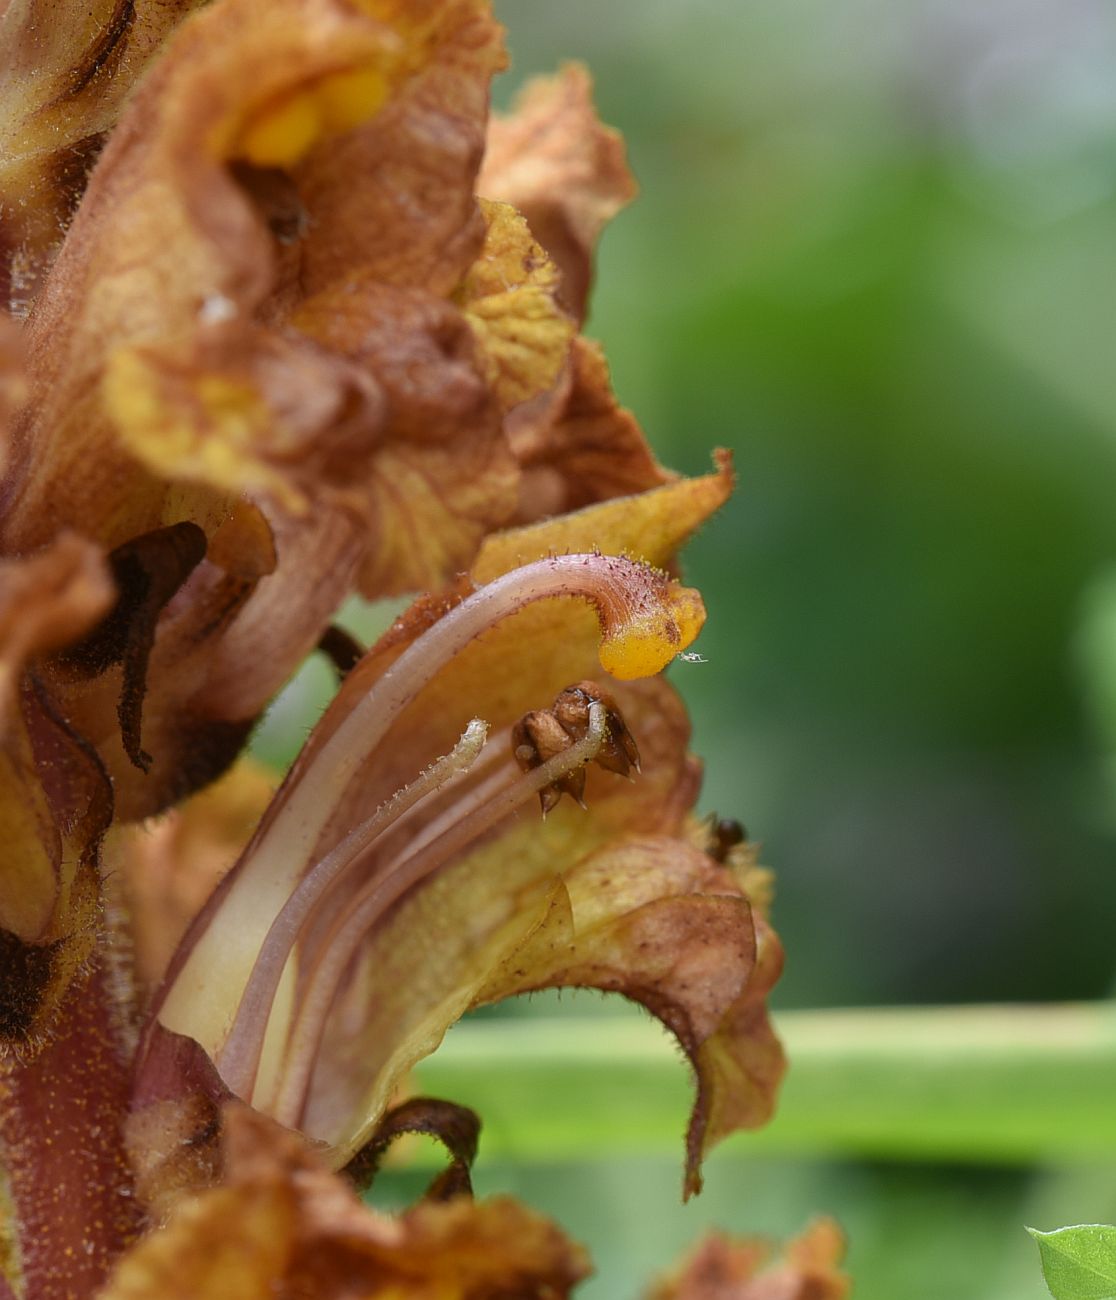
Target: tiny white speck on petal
(215,309)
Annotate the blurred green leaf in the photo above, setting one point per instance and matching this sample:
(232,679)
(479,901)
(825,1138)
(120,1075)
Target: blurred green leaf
(960,1084)
(1079,1263)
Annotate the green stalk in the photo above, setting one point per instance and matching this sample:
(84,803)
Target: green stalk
(981,1084)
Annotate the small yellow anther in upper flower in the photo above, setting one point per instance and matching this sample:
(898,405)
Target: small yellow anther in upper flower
(644,644)
(280,134)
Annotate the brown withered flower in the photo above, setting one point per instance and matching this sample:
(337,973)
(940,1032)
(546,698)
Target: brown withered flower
(722,1267)
(274,336)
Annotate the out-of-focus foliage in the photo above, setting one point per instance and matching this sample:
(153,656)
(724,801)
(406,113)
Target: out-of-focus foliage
(876,255)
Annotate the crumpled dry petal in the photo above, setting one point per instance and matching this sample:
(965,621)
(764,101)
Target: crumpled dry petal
(667,928)
(169,376)
(442,474)
(198,251)
(55,805)
(722,1267)
(509,297)
(48,600)
(577,445)
(281,1227)
(54,798)
(554,161)
(394,199)
(65,70)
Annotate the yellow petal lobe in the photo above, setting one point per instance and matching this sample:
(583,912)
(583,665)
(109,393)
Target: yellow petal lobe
(198,426)
(282,133)
(648,526)
(509,298)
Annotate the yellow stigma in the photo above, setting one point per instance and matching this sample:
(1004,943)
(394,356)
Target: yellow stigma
(644,644)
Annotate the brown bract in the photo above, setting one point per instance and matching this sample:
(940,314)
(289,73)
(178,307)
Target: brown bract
(576,444)
(745,1268)
(553,160)
(55,802)
(282,1227)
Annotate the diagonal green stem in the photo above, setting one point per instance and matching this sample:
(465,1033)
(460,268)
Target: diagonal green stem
(988,1084)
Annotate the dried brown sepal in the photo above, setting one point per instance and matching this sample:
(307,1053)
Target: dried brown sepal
(47,601)
(566,172)
(281,1226)
(456,1127)
(722,1267)
(55,805)
(577,445)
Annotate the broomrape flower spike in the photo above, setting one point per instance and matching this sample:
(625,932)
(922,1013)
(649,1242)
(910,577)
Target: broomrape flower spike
(290,316)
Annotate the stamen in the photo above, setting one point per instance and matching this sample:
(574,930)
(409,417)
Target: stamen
(238,1060)
(381,893)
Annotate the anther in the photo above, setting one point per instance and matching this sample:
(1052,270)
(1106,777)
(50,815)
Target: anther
(618,753)
(540,735)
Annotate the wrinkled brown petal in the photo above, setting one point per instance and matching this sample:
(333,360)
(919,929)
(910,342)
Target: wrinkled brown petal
(741,1065)
(741,1268)
(509,297)
(65,70)
(668,928)
(242,79)
(394,197)
(55,805)
(577,445)
(456,1127)
(48,601)
(554,161)
(281,1227)
(441,475)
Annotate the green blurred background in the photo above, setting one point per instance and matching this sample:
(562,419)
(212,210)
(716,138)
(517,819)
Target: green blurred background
(875,254)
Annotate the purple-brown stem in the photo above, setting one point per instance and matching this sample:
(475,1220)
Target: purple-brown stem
(70,1208)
